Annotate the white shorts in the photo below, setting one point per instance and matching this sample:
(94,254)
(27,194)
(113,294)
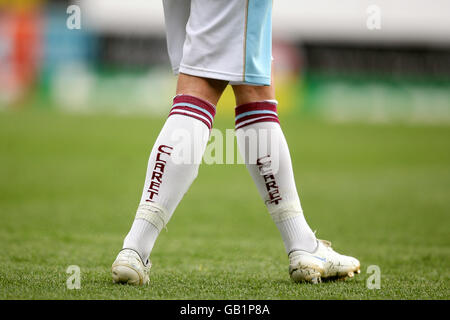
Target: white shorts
(220,39)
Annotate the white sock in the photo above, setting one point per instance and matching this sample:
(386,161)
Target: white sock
(141,238)
(263,146)
(172,167)
(297,234)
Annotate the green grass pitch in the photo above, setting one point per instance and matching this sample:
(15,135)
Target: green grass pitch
(70,184)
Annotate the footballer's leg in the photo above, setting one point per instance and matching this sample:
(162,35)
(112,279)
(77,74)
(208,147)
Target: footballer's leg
(176,154)
(170,172)
(266,153)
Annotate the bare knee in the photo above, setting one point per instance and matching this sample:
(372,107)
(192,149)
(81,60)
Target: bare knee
(246,94)
(203,88)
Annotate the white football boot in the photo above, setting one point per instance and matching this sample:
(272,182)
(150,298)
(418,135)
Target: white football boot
(323,263)
(129,268)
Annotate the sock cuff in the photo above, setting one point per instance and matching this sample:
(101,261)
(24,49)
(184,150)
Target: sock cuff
(154,214)
(286,211)
(253,112)
(194,107)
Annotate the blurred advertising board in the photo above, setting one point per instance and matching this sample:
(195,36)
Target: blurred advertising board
(377,83)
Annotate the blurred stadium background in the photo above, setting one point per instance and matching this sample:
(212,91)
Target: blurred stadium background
(328,63)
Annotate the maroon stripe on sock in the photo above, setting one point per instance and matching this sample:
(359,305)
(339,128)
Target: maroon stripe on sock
(196,101)
(192,116)
(261,105)
(193,110)
(265,119)
(254,116)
